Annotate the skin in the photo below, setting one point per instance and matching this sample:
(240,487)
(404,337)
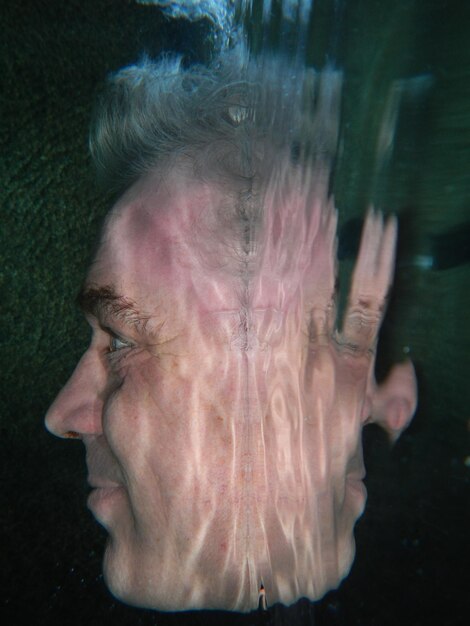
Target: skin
(220,408)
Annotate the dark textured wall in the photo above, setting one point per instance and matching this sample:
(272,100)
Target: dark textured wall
(54,55)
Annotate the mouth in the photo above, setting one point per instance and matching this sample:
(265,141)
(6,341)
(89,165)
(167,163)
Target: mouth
(356,476)
(104,493)
(102,483)
(356,491)
(355,470)
(355,481)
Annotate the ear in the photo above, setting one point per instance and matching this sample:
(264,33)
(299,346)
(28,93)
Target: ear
(394,402)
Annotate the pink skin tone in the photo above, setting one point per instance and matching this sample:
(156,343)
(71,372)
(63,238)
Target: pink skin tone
(223,432)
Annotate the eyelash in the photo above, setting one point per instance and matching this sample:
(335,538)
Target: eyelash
(113,348)
(113,351)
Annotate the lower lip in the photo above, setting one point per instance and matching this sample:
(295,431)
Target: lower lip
(101,498)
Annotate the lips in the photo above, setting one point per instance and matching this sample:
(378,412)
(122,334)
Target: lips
(103,499)
(102,483)
(102,488)
(356,476)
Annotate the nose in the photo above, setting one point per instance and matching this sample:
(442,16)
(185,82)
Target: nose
(77,409)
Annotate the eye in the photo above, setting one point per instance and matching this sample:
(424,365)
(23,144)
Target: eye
(117,343)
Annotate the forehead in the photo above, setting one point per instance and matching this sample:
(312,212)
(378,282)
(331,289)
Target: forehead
(162,235)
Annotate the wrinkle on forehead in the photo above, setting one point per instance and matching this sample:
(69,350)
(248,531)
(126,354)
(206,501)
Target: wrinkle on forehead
(168,237)
(177,236)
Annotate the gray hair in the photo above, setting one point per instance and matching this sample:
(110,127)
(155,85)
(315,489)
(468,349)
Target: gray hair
(232,120)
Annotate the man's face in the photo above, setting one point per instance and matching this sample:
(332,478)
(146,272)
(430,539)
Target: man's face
(220,410)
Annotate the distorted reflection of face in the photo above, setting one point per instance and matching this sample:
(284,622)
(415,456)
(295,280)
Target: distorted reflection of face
(220,409)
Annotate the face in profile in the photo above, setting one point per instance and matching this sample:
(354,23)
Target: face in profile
(220,408)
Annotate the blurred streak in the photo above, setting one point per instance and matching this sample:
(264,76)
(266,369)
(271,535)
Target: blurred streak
(411,90)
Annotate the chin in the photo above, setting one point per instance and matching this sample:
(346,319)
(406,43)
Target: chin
(117,571)
(144,582)
(114,574)
(129,579)
(156,575)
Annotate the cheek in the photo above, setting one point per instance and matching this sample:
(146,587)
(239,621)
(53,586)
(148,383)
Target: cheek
(136,408)
(151,415)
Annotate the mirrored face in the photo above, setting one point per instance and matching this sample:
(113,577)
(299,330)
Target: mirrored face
(220,409)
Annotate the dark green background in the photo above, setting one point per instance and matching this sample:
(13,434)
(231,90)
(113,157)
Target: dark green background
(412,561)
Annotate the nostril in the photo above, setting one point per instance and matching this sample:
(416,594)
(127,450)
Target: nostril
(71,434)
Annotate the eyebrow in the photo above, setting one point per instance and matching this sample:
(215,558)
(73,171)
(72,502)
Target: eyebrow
(103,302)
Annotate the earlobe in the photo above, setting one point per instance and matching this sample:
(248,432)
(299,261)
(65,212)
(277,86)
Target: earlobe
(394,401)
